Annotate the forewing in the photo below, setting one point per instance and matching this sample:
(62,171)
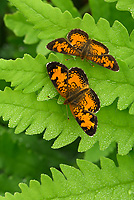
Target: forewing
(58,74)
(77,80)
(77,38)
(86,120)
(61,45)
(97,48)
(106,61)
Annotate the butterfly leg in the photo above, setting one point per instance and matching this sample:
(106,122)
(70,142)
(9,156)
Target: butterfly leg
(90,63)
(69,58)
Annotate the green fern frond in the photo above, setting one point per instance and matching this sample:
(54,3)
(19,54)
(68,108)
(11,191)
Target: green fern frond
(27,74)
(87,182)
(127,5)
(17,23)
(21,27)
(42,16)
(30,75)
(114,125)
(26,113)
(46,18)
(67,5)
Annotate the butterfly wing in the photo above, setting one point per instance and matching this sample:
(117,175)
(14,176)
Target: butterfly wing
(106,61)
(97,48)
(77,38)
(58,74)
(89,101)
(61,45)
(86,120)
(82,100)
(77,80)
(83,108)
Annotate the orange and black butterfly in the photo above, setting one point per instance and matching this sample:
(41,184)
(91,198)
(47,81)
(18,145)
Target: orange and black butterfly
(79,44)
(72,84)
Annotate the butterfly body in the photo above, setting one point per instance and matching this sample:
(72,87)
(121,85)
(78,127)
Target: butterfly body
(72,84)
(79,44)
(85,50)
(75,97)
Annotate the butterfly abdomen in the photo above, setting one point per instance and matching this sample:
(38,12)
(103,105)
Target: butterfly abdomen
(84,52)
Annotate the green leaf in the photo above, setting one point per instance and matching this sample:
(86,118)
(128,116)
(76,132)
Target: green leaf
(17,23)
(26,74)
(26,113)
(21,27)
(124,5)
(42,16)
(88,182)
(30,75)
(41,47)
(113,125)
(22,110)
(67,5)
